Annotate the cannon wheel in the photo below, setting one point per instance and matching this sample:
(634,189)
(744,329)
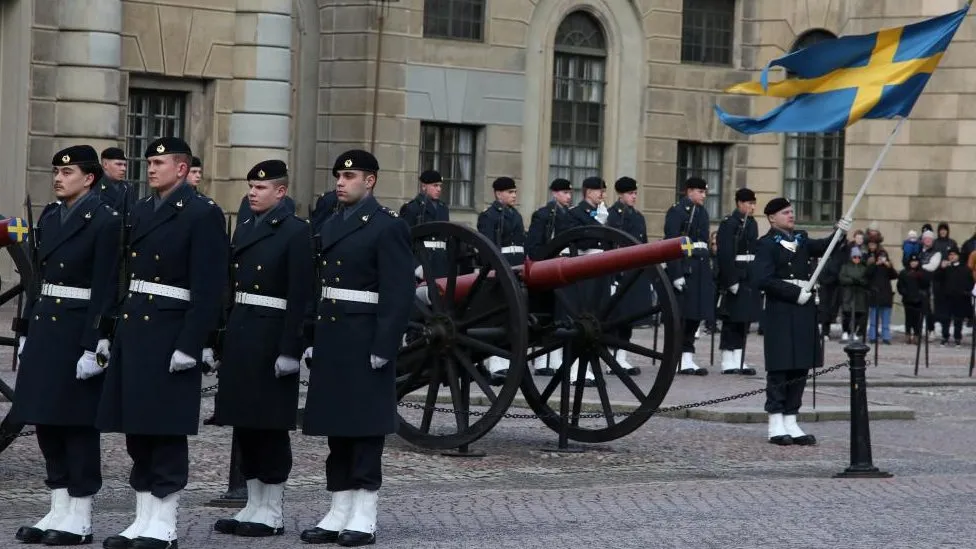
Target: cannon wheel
(588,334)
(448,339)
(14,295)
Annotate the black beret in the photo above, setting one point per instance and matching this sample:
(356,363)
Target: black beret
(745,195)
(267,171)
(195,162)
(113,153)
(168,145)
(696,183)
(431,176)
(560,184)
(776,205)
(503,184)
(78,154)
(355,159)
(625,185)
(594,183)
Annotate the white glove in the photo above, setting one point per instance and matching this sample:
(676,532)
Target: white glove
(286,366)
(87,367)
(804,297)
(844,224)
(207,357)
(181,361)
(419,272)
(23,339)
(679,284)
(377,362)
(422,295)
(613,288)
(734,289)
(103,351)
(307,357)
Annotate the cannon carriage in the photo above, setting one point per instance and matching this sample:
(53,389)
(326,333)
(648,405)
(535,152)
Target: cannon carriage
(12,294)
(482,307)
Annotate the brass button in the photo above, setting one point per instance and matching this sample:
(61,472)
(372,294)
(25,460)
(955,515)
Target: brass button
(134,254)
(61,265)
(54,318)
(146,318)
(133,275)
(256,287)
(130,294)
(259,267)
(337,279)
(236,266)
(150,297)
(58,300)
(155,279)
(333,319)
(324,262)
(156,257)
(125,316)
(339,262)
(237,284)
(333,302)
(36,317)
(319,317)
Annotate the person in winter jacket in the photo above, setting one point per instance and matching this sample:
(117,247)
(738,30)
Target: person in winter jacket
(880,273)
(854,295)
(967,248)
(911,246)
(955,281)
(942,241)
(913,287)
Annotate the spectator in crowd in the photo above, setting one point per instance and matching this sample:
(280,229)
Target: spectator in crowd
(954,280)
(931,260)
(880,273)
(911,246)
(913,287)
(830,291)
(854,290)
(942,241)
(873,234)
(966,250)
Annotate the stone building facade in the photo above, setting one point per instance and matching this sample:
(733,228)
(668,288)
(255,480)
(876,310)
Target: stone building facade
(532,89)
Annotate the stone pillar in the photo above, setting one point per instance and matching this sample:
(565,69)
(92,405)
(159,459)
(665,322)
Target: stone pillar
(260,122)
(87,82)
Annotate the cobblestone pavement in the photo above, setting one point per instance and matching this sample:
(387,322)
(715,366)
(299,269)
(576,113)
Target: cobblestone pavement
(674,483)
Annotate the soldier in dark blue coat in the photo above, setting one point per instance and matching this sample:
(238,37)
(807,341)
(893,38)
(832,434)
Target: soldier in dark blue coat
(271,276)
(196,172)
(366,268)
(625,217)
(691,276)
(503,225)
(791,345)
(244,212)
(325,206)
(424,208)
(112,186)
(177,262)
(737,240)
(59,381)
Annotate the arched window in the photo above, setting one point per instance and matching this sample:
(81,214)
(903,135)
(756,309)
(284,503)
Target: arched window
(579,79)
(813,174)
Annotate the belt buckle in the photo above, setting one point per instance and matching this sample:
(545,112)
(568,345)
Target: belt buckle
(137,286)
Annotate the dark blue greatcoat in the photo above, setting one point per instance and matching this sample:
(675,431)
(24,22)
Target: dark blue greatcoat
(592,292)
(697,300)
(789,339)
(425,210)
(244,210)
(181,244)
(544,225)
(82,253)
(503,226)
(325,206)
(115,193)
(270,258)
(738,235)
(639,297)
(368,251)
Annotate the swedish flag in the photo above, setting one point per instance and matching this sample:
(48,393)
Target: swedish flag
(835,83)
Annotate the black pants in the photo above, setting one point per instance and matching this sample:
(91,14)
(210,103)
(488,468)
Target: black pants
(733,335)
(913,320)
(625,333)
(160,463)
(688,341)
(956,322)
(785,400)
(72,457)
(265,454)
(856,324)
(354,463)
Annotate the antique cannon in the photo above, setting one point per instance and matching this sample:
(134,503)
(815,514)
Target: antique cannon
(483,307)
(13,233)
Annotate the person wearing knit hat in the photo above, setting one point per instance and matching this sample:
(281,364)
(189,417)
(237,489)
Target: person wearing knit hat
(739,305)
(913,286)
(691,276)
(854,296)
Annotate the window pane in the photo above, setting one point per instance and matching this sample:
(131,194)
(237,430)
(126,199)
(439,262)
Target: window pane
(707,31)
(152,114)
(456,19)
(450,150)
(814,176)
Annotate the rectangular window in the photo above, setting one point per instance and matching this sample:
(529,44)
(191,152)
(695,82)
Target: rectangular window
(152,114)
(814,176)
(455,19)
(576,149)
(450,150)
(707,30)
(707,162)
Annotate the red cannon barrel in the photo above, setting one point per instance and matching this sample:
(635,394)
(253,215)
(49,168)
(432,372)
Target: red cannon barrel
(558,272)
(12,231)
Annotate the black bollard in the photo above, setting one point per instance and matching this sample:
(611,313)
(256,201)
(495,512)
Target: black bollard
(862,465)
(236,494)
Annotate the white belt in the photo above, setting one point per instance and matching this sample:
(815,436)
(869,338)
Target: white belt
(435,244)
(796,282)
(245,298)
(164,290)
(700,245)
(747,257)
(68,292)
(358,296)
(513,250)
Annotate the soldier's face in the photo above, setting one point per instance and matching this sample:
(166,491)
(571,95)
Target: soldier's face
(783,219)
(747,208)
(115,169)
(194,177)
(70,182)
(433,190)
(352,185)
(264,195)
(629,198)
(164,171)
(563,198)
(697,196)
(594,196)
